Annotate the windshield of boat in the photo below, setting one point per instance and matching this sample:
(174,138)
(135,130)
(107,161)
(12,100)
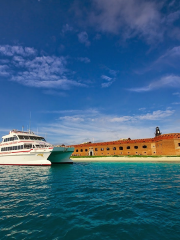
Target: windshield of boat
(31,138)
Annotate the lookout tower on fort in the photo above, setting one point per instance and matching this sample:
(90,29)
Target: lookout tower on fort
(157,133)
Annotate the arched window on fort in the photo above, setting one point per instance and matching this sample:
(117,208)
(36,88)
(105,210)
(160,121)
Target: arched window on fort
(128,147)
(81,150)
(76,150)
(144,146)
(136,147)
(107,148)
(114,148)
(120,148)
(96,149)
(179,144)
(102,149)
(86,150)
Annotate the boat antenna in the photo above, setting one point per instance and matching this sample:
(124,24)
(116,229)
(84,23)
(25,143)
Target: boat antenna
(22,128)
(30,123)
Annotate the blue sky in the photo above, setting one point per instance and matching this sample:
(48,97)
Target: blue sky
(94,70)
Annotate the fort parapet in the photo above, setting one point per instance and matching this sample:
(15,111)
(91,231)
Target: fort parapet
(165,145)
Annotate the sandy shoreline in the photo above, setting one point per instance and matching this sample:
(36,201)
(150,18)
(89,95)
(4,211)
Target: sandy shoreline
(127,159)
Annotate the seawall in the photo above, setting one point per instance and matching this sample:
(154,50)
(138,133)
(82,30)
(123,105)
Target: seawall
(127,159)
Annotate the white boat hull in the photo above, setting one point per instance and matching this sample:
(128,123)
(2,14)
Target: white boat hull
(30,158)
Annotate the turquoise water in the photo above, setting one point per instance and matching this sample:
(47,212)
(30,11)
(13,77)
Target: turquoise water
(91,201)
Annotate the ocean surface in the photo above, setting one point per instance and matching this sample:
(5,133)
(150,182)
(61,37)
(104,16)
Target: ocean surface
(91,201)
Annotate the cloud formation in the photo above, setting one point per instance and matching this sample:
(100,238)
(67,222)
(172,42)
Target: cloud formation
(83,38)
(85,125)
(167,81)
(25,67)
(108,80)
(4,70)
(143,18)
(10,51)
(132,17)
(84,59)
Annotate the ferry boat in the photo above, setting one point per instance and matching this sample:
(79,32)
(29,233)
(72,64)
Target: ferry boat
(27,148)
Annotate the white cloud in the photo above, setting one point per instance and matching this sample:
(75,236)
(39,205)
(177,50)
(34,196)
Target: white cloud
(176,93)
(71,119)
(76,126)
(4,71)
(170,59)
(106,84)
(63,84)
(145,19)
(156,115)
(67,28)
(167,81)
(83,38)
(84,59)
(26,68)
(10,51)
(142,109)
(134,17)
(172,17)
(109,81)
(106,78)
(176,103)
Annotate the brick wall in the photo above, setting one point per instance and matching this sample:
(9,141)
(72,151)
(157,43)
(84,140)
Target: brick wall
(166,144)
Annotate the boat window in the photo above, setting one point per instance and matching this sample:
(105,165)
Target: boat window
(19,147)
(42,139)
(22,146)
(20,137)
(23,137)
(15,138)
(27,146)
